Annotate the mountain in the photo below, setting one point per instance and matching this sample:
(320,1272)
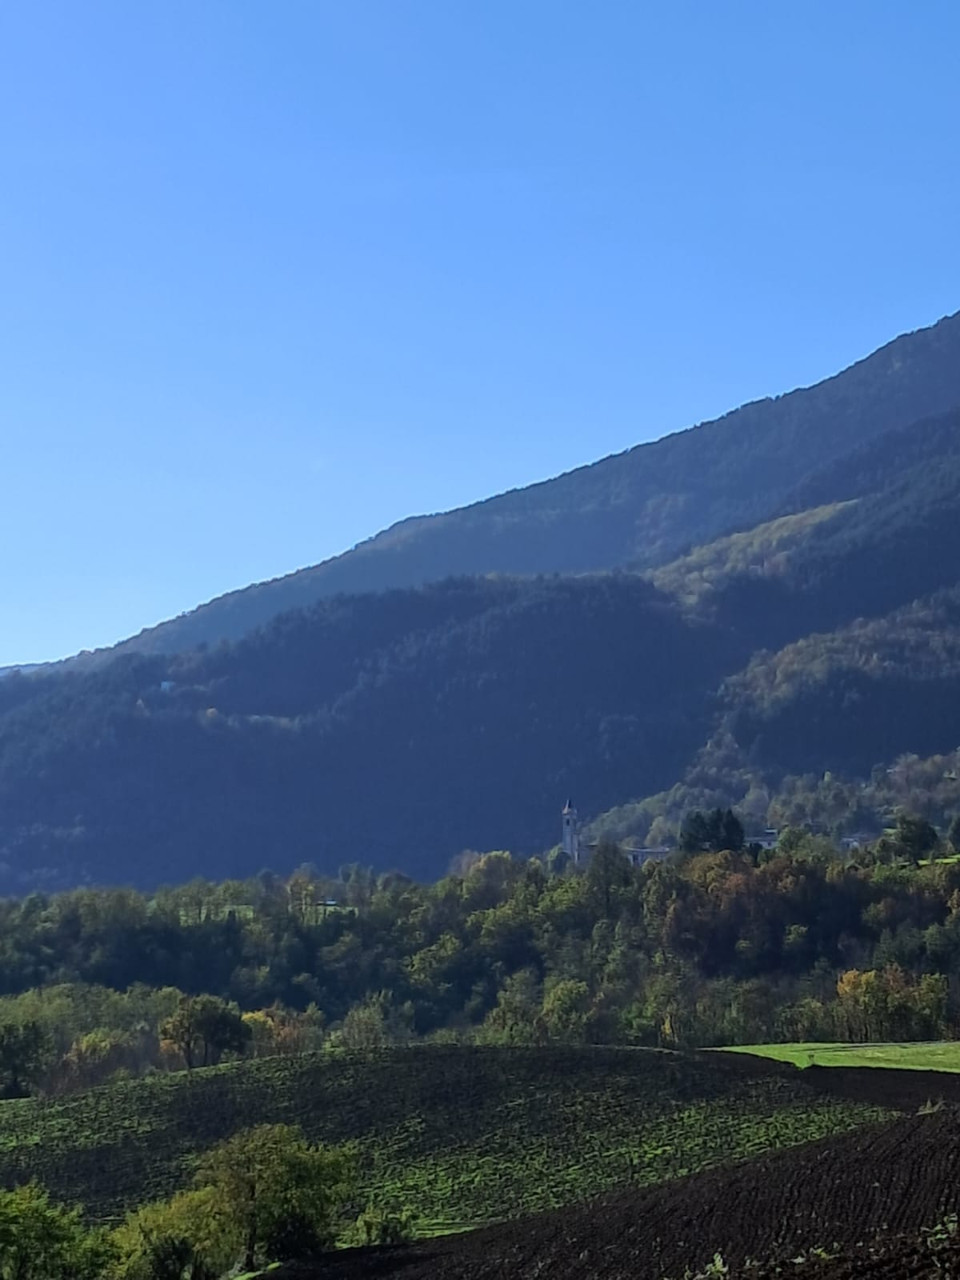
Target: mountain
(782,663)
(639,508)
(854,614)
(392,730)
(836,731)
(884,536)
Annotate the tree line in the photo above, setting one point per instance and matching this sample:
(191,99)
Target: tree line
(714,945)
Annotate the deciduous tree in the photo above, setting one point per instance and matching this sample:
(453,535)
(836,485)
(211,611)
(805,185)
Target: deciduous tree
(282,1195)
(43,1241)
(204,1028)
(24,1050)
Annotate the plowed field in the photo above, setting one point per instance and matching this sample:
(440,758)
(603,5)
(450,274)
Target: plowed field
(892,1178)
(883,1087)
(465,1136)
(897,1258)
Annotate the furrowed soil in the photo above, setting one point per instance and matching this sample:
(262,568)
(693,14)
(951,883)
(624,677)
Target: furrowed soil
(935,1255)
(462,1135)
(886,1087)
(835,1194)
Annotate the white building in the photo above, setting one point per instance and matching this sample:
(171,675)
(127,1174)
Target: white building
(767,839)
(579,853)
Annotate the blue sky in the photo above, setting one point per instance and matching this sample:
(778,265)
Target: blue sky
(273,276)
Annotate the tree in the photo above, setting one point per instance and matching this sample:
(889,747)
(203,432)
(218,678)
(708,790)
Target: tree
(953,834)
(915,837)
(730,835)
(711,832)
(24,1049)
(608,873)
(281,1195)
(514,1019)
(694,832)
(386,1226)
(365,1026)
(183,1238)
(204,1028)
(44,1241)
(565,1009)
(98,1055)
(175,1257)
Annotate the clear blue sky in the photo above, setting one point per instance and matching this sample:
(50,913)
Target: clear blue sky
(274,275)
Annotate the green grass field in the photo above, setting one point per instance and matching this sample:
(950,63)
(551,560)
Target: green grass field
(937,1055)
(461,1135)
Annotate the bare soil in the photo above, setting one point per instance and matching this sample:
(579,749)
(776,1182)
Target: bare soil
(887,1181)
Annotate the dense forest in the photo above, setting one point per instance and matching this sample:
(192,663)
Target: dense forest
(710,947)
(404,728)
(397,730)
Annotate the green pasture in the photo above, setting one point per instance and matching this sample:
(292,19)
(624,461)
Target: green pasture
(935,1055)
(460,1135)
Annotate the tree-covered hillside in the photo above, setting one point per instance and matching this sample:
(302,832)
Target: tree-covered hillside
(395,730)
(883,536)
(856,697)
(838,732)
(400,728)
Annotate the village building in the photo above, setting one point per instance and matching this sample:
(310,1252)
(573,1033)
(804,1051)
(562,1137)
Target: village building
(579,852)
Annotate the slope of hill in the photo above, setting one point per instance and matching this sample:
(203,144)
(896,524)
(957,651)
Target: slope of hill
(765,551)
(398,729)
(883,537)
(462,1135)
(790,1210)
(394,730)
(641,507)
(851,608)
(837,730)
(853,698)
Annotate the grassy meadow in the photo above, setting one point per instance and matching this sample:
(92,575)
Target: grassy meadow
(462,1136)
(934,1055)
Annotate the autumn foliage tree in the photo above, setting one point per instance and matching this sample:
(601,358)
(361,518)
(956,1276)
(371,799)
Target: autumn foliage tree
(886,1004)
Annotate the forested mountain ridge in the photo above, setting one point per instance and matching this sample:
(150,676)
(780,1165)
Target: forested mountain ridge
(836,731)
(398,728)
(885,536)
(394,730)
(853,612)
(641,508)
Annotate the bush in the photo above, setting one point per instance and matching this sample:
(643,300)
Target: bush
(385,1226)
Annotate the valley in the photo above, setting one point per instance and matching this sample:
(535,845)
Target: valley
(480,642)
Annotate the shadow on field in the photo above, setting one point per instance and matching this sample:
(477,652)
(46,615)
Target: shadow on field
(893,1178)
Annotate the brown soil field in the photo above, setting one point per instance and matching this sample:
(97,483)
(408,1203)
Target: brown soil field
(894,1178)
(890,1087)
(885,1086)
(899,1258)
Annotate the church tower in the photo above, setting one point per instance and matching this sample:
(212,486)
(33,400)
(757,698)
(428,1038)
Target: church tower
(570,841)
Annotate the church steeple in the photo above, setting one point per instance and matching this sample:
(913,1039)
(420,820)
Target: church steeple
(570,839)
